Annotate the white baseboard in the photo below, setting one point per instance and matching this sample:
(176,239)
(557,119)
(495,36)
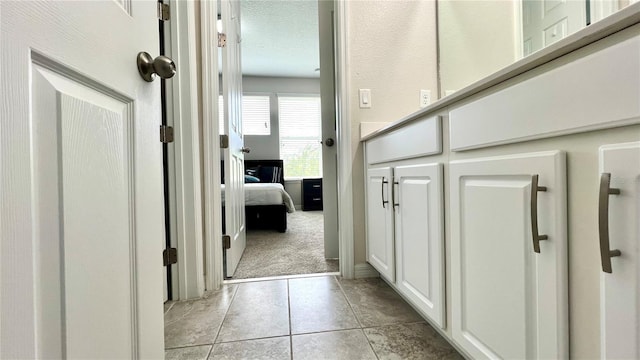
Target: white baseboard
(364,270)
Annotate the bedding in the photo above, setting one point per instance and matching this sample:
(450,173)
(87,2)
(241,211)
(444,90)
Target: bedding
(256,194)
(265,209)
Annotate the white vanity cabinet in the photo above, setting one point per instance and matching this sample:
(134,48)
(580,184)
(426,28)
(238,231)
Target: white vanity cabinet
(405,240)
(524,199)
(619,235)
(509,256)
(380,252)
(404,212)
(419,246)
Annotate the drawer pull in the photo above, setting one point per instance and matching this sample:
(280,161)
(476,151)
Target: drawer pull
(316,186)
(603,222)
(534,213)
(384,181)
(317,199)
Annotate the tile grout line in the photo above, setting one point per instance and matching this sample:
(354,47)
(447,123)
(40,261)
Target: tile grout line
(326,331)
(209,353)
(290,329)
(335,278)
(281,277)
(170,306)
(370,345)
(233,298)
(250,339)
(357,319)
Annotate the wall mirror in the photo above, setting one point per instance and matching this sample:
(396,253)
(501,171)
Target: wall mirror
(480,37)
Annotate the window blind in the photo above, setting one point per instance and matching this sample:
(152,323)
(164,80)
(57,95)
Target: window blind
(300,135)
(256,115)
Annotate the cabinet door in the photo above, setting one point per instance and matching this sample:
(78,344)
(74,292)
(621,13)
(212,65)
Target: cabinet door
(380,222)
(418,205)
(509,301)
(620,289)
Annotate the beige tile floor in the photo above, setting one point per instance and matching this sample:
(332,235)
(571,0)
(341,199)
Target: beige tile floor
(302,318)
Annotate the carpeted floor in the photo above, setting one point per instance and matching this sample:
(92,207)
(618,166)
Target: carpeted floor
(298,251)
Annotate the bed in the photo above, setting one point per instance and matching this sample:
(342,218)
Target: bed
(266,201)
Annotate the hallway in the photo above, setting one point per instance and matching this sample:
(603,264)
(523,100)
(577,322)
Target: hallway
(301,318)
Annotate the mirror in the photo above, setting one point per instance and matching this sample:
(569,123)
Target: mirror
(480,37)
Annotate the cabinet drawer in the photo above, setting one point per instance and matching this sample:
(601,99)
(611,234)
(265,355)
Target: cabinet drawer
(600,90)
(420,138)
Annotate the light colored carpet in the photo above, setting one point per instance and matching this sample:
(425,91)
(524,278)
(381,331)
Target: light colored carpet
(298,251)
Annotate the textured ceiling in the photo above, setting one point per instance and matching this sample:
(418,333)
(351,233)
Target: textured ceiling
(280,38)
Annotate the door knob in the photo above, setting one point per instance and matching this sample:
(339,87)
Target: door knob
(329,142)
(245,150)
(148,66)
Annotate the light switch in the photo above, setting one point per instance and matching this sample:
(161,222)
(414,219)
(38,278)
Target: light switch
(365,98)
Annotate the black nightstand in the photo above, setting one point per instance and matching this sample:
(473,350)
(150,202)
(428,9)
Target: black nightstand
(311,194)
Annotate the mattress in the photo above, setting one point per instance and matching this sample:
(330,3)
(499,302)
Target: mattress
(266,194)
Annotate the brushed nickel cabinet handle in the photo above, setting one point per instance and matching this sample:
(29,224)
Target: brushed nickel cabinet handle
(393,192)
(384,181)
(603,222)
(534,213)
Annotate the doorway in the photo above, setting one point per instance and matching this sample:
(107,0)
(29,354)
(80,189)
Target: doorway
(292,94)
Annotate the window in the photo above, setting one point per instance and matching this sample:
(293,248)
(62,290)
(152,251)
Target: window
(300,136)
(256,117)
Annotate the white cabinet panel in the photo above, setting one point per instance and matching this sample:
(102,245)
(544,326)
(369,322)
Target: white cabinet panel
(507,300)
(380,221)
(418,203)
(620,289)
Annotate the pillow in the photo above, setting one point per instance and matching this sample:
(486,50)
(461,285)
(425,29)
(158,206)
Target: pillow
(252,171)
(248,179)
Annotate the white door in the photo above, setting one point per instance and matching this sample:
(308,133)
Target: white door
(81,211)
(509,301)
(380,252)
(329,149)
(620,289)
(419,223)
(235,220)
(546,21)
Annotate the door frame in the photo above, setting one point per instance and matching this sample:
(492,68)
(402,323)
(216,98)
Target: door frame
(185,184)
(211,148)
(344,142)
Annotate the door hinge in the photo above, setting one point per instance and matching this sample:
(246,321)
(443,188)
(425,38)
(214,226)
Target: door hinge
(163,12)
(226,242)
(222,40)
(170,256)
(166,134)
(224,141)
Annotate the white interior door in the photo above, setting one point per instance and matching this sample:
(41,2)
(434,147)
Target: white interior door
(509,302)
(419,225)
(547,21)
(620,289)
(380,252)
(329,148)
(233,156)
(81,212)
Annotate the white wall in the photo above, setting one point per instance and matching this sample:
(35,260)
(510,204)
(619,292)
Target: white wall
(265,147)
(392,50)
(476,38)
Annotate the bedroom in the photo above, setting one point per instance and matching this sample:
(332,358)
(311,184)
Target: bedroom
(281,111)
